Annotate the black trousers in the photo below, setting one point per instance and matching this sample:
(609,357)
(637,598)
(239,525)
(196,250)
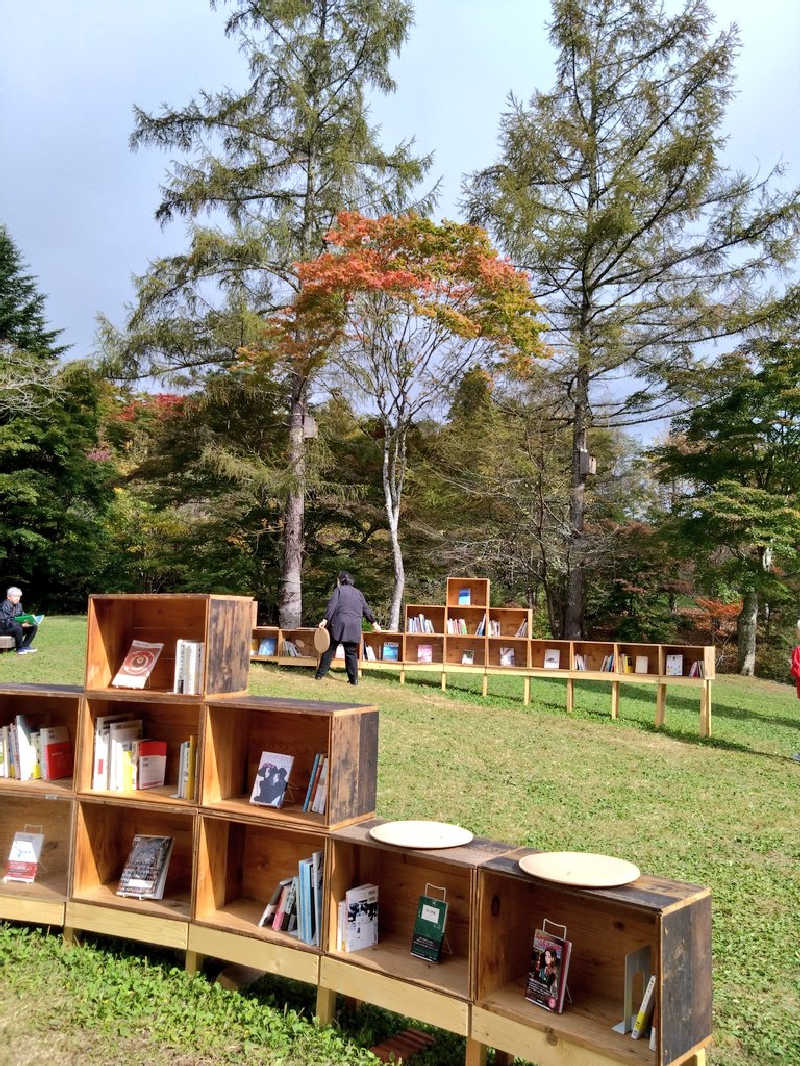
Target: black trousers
(350,660)
(22,637)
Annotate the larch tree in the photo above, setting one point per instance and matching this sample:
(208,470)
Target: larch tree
(271,165)
(642,247)
(411,306)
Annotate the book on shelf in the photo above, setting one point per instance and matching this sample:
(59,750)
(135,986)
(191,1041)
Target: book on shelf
(102,727)
(36,740)
(552,658)
(507,657)
(369,653)
(145,872)
(189,669)
(428,933)
(673,666)
(419,624)
(391,651)
(286,905)
(645,1012)
(642,665)
(320,799)
(138,664)
(522,628)
(317,872)
(467,657)
(187,760)
(295,904)
(57,752)
(424,653)
(360,918)
(494,628)
(23,858)
(151,763)
(5,765)
(480,629)
(580,661)
(121,769)
(697,669)
(290,649)
(269,787)
(607,665)
(547,976)
(268,646)
(268,914)
(464,597)
(626,664)
(23,748)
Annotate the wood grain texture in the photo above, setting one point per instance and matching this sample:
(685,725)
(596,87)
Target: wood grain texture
(258,954)
(352,783)
(228,644)
(685,992)
(119,922)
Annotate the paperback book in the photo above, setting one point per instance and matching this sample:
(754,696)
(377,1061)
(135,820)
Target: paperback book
(269,787)
(268,646)
(137,665)
(424,653)
(391,651)
(507,657)
(23,858)
(57,754)
(673,666)
(552,658)
(547,977)
(361,918)
(145,872)
(428,935)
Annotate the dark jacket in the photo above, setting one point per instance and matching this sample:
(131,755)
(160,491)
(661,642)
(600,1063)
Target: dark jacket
(8,612)
(344,612)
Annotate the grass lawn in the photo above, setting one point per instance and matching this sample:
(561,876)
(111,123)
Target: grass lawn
(722,812)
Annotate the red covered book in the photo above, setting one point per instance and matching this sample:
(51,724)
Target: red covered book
(57,754)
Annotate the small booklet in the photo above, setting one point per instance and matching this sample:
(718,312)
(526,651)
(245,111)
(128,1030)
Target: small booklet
(23,858)
(552,658)
(269,787)
(547,977)
(428,934)
(137,665)
(145,872)
(361,918)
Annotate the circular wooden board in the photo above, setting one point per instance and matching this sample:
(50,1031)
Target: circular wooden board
(322,639)
(580,868)
(421,834)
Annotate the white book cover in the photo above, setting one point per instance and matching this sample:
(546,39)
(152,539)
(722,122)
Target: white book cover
(25,747)
(269,787)
(361,929)
(137,665)
(23,858)
(341,919)
(118,734)
(642,664)
(100,764)
(200,667)
(4,751)
(177,674)
(674,666)
(552,658)
(321,795)
(184,774)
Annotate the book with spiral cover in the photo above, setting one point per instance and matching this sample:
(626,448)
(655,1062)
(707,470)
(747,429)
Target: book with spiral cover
(137,665)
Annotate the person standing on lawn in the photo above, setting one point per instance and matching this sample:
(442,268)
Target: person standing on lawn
(795,672)
(15,623)
(343,615)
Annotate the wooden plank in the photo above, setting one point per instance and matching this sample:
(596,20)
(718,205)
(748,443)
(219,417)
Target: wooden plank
(476,1053)
(685,989)
(661,704)
(352,781)
(615,699)
(411,1000)
(257,954)
(38,911)
(194,962)
(118,922)
(326,1006)
(228,644)
(526,690)
(485,686)
(546,1046)
(570,695)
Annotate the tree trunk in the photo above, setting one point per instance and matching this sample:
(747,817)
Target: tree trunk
(746,634)
(575,590)
(391,494)
(291,602)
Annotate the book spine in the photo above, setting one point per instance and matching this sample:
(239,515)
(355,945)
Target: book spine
(645,1009)
(177,676)
(191,758)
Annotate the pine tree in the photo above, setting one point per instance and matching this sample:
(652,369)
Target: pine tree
(641,246)
(273,164)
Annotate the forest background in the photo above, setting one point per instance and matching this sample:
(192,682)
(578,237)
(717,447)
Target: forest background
(222,442)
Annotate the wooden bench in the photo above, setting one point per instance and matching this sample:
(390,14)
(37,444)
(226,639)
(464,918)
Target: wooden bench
(6,643)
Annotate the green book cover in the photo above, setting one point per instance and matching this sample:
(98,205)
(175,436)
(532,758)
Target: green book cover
(426,941)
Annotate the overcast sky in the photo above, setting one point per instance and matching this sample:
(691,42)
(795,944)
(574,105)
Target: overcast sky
(79,204)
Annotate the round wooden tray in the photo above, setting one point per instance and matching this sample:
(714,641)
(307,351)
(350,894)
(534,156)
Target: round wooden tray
(322,639)
(421,834)
(582,868)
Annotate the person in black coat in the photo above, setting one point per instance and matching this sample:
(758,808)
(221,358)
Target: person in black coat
(343,615)
(11,624)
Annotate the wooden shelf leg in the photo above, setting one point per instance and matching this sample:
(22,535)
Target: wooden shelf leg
(402,677)
(705,710)
(661,703)
(476,1053)
(526,690)
(194,962)
(485,688)
(698,1059)
(615,699)
(69,936)
(570,695)
(326,1006)
(444,681)
(503,1058)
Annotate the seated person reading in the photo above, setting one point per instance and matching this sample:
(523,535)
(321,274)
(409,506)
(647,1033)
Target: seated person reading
(15,623)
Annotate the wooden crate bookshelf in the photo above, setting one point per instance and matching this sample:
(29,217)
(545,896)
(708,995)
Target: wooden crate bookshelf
(222,623)
(239,863)
(413,642)
(671,918)
(238,730)
(456,646)
(431,612)
(303,639)
(478,588)
(538,649)
(388,974)
(473,619)
(40,705)
(632,653)
(104,832)
(376,640)
(594,653)
(520,648)
(508,620)
(173,721)
(50,814)
(259,634)
(690,654)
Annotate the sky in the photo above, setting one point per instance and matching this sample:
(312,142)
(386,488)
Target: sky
(80,205)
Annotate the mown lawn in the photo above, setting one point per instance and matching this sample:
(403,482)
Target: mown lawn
(722,812)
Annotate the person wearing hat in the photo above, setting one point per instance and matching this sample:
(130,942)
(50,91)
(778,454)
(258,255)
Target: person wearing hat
(343,615)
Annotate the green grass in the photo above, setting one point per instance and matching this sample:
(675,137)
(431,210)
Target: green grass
(722,812)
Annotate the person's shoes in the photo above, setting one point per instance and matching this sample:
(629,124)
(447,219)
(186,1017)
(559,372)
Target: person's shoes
(26,651)
(349,682)
(796,756)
